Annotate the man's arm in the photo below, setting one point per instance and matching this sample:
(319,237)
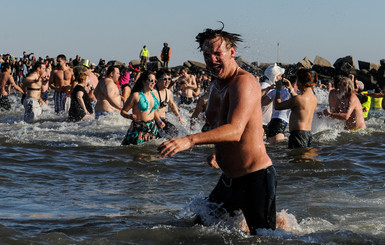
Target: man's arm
(173,106)
(287,104)
(243,100)
(15,85)
(344,115)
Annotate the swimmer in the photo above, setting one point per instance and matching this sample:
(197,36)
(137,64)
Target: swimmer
(302,107)
(145,116)
(107,93)
(248,182)
(347,107)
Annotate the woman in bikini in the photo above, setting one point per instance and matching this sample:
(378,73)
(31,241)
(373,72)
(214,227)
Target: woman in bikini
(145,117)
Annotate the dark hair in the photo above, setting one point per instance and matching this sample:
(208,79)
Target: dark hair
(139,84)
(37,65)
(231,39)
(5,66)
(62,56)
(111,69)
(163,72)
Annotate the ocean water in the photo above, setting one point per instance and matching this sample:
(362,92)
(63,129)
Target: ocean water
(72,183)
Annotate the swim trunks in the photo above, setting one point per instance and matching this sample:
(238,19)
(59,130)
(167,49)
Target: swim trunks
(32,109)
(275,126)
(103,113)
(299,139)
(170,129)
(140,132)
(4,103)
(60,101)
(253,193)
(44,96)
(185,100)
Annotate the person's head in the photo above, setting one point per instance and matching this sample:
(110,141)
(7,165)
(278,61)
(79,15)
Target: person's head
(218,49)
(165,44)
(146,81)
(164,78)
(5,66)
(346,86)
(39,67)
(359,86)
(274,73)
(113,73)
(183,71)
(83,78)
(61,60)
(144,46)
(306,79)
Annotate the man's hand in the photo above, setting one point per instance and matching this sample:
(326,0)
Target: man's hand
(173,146)
(212,161)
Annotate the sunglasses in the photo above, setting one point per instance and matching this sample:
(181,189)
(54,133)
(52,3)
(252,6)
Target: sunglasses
(166,78)
(152,81)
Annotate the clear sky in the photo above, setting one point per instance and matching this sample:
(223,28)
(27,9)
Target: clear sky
(118,29)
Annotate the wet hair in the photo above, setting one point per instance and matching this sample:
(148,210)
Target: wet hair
(307,77)
(5,66)
(349,86)
(139,84)
(231,39)
(62,56)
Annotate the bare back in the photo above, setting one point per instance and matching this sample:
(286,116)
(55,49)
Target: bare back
(301,117)
(239,101)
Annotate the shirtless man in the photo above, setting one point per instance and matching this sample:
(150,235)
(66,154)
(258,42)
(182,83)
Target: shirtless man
(61,78)
(33,101)
(234,112)
(187,84)
(346,106)
(107,93)
(302,107)
(6,80)
(166,98)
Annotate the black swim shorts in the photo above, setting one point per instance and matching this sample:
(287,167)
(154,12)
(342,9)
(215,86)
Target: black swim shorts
(253,193)
(299,139)
(275,126)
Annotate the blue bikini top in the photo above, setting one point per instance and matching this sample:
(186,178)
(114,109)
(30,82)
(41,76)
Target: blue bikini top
(143,102)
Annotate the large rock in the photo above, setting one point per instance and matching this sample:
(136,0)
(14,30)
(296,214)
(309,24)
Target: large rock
(321,62)
(116,63)
(345,65)
(363,65)
(196,64)
(135,62)
(248,67)
(305,63)
(325,70)
(155,58)
(154,65)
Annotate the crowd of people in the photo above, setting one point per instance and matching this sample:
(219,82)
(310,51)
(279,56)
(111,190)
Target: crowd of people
(240,110)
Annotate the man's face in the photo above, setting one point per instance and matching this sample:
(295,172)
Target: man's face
(166,80)
(42,70)
(61,62)
(217,56)
(116,75)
